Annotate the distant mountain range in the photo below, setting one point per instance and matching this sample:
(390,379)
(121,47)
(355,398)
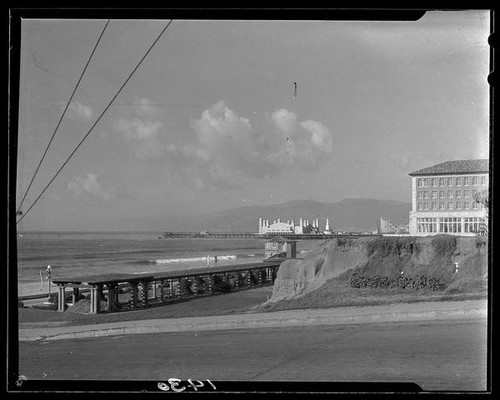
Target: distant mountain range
(354,214)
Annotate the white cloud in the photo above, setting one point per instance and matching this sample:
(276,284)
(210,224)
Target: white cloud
(90,185)
(78,110)
(219,127)
(320,135)
(146,108)
(143,131)
(307,142)
(225,148)
(284,120)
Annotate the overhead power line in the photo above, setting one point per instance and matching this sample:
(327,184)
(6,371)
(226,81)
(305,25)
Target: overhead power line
(97,120)
(62,116)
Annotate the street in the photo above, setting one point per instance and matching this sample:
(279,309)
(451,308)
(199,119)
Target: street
(437,355)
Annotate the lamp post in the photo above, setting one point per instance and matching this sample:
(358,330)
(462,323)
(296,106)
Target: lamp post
(49,277)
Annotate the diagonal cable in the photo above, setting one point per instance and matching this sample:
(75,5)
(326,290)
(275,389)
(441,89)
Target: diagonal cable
(96,121)
(62,116)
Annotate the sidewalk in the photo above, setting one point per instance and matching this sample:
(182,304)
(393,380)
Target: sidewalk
(333,316)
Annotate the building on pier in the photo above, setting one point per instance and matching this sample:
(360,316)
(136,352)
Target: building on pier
(303,226)
(279,247)
(386,226)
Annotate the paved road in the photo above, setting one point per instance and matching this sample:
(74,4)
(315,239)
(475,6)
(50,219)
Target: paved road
(438,355)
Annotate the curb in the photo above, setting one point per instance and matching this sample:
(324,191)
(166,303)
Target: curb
(165,327)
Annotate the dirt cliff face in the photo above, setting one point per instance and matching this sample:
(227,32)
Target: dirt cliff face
(384,256)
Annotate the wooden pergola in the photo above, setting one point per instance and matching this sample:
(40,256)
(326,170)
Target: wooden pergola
(145,290)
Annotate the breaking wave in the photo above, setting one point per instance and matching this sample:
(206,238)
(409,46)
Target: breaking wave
(191,259)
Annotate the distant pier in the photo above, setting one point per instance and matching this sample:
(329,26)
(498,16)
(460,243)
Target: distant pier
(249,235)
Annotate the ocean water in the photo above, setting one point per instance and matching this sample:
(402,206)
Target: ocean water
(89,253)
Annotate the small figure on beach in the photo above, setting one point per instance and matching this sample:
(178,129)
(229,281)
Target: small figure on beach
(215,260)
(208,261)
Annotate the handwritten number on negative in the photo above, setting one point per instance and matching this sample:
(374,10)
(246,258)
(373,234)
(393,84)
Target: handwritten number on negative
(175,385)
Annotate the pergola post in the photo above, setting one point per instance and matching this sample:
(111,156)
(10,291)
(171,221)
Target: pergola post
(273,273)
(111,296)
(259,271)
(76,294)
(98,298)
(249,281)
(179,288)
(210,283)
(153,296)
(61,298)
(95,300)
(117,295)
(162,289)
(133,295)
(171,292)
(195,286)
(92,295)
(144,293)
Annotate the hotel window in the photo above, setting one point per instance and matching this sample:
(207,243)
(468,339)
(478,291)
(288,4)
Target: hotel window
(458,181)
(474,192)
(441,194)
(466,181)
(472,224)
(426,194)
(474,205)
(483,180)
(426,206)
(434,206)
(441,205)
(434,182)
(466,205)
(450,205)
(450,182)
(441,181)
(419,182)
(434,194)
(450,225)
(458,205)
(474,181)
(419,206)
(450,194)
(426,182)
(420,195)
(466,193)
(426,225)
(458,194)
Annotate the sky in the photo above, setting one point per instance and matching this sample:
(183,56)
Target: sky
(211,120)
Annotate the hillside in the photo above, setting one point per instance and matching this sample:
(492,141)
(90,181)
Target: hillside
(345,215)
(344,259)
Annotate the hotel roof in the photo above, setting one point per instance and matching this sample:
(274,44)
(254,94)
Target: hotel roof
(455,167)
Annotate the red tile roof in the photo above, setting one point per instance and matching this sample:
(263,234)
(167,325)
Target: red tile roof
(455,167)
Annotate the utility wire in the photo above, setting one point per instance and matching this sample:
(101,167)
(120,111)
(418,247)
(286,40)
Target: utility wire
(62,116)
(96,121)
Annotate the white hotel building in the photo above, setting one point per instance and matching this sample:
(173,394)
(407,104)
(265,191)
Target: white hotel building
(443,198)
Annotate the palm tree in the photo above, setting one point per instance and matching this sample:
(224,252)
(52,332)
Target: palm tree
(482,197)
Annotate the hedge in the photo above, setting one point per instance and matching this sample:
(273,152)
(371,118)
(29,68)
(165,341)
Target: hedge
(405,282)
